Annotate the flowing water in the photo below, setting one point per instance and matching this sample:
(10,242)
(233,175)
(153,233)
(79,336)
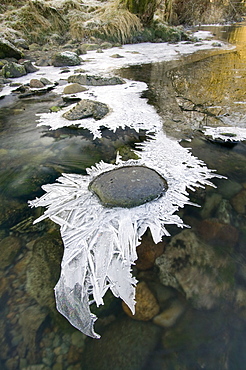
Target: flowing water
(206,88)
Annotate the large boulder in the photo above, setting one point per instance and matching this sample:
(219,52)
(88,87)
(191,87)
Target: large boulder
(85,79)
(87,108)
(205,273)
(128,186)
(13,69)
(125,344)
(65,58)
(8,50)
(44,269)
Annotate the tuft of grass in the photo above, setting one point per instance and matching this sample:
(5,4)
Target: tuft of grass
(111,23)
(37,21)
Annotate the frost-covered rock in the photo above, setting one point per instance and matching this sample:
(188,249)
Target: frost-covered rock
(8,50)
(66,58)
(87,108)
(85,79)
(100,242)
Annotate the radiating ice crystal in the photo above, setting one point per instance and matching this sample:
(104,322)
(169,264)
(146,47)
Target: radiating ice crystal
(226,133)
(100,242)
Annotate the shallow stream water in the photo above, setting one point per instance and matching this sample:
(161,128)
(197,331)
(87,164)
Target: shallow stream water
(206,88)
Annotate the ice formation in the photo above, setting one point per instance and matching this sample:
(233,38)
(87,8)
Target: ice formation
(226,133)
(100,243)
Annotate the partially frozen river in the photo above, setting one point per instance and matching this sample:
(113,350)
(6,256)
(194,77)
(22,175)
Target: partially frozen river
(195,277)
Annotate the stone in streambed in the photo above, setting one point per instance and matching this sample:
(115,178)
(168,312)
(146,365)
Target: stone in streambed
(128,186)
(91,80)
(74,88)
(146,304)
(170,315)
(87,108)
(125,344)
(8,50)
(66,58)
(12,70)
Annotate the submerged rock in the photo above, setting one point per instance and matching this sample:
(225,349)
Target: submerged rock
(9,249)
(8,50)
(146,304)
(87,108)
(128,186)
(204,273)
(44,269)
(169,316)
(125,344)
(66,58)
(84,79)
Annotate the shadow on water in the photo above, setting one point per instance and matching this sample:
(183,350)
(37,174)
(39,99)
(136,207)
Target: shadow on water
(207,88)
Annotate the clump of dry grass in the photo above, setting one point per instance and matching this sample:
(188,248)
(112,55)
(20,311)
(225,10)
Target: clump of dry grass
(36,20)
(111,22)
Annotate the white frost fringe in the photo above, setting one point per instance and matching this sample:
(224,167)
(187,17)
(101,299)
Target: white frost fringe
(100,243)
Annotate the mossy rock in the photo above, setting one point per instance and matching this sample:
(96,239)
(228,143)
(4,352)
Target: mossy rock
(12,70)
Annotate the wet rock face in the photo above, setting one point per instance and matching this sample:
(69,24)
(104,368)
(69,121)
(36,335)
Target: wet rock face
(128,186)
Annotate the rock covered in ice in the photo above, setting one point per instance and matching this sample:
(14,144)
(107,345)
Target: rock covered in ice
(65,58)
(226,133)
(92,80)
(87,108)
(128,186)
(100,242)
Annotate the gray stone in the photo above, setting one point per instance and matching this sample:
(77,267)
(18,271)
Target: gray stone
(87,108)
(30,320)
(168,317)
(84,79)
(9,248)
(66,58)
(29,67)
(128,186)
(12,211)
(125,344)
(8,50)
(44,270)
(204,273)
(45,81)
(12,69)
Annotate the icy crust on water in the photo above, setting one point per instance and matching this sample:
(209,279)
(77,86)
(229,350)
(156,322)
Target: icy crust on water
(226,133)
(133,54)
(126,109)
(100,243)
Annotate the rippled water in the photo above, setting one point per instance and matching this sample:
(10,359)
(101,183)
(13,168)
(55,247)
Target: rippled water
(200,89)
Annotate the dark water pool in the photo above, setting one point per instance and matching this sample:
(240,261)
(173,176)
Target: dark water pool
(200,280)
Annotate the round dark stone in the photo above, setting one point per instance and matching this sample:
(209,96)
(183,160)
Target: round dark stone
(128,186)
